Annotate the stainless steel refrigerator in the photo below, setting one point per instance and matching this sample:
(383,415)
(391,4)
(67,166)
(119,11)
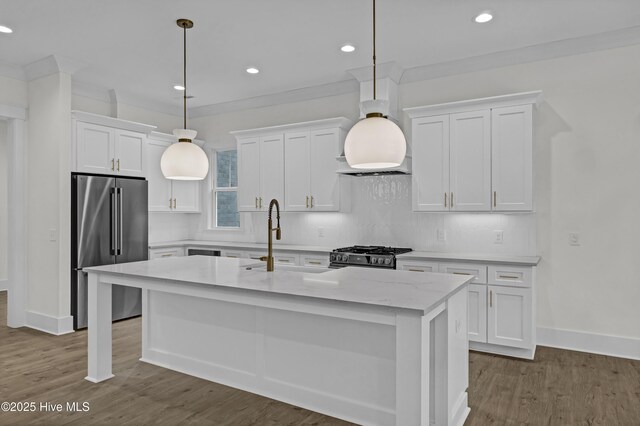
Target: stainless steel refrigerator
(109,224)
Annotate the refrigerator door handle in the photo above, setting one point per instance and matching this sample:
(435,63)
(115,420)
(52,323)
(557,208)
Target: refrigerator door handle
(119,247)
(114,226)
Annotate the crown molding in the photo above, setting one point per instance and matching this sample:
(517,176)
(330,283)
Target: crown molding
(539,52)
(386,70)
(533,98)
(297,95)
(336,122)
(52,64)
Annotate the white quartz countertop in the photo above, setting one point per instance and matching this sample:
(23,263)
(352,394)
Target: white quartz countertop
(471,257)
(395,289)
(240,245)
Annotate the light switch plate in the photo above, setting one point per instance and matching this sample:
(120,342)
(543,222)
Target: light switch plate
(320,231)
(53,235)
(442,235)
(498,237)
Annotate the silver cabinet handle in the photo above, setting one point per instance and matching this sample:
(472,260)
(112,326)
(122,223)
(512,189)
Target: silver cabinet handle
(175,203)
(307,201)
(416,270)
(460,273)
(494,198)
(445,199)
(452,200)
(312,201)
(113,166)
(491,298)
(167,255)
(118,162)
(260,202)
(170,200)
(508,277)
(256,202)
(314,262)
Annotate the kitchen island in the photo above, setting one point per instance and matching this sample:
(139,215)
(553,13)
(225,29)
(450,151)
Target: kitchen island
(369,346)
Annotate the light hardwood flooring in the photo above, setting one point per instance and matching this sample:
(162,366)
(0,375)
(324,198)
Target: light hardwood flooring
(559,388)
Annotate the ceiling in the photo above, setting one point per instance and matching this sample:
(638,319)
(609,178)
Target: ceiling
(135,46)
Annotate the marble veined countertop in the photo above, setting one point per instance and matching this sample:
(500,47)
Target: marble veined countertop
(395,289)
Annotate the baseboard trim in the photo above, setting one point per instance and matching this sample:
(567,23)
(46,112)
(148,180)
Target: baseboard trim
(601,344)
(4,285)
(503,350)
(49,324)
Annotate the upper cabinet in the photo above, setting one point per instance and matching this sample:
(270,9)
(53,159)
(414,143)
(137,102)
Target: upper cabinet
(295,163)
(167,195)
(474,155)
(105,145)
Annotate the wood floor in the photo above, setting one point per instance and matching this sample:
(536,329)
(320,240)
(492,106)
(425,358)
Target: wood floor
(558,388)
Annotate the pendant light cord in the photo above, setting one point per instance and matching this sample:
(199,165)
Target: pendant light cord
(374,50)
(184,69)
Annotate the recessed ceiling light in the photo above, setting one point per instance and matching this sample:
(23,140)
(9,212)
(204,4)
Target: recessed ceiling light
(178,87)
(348,48)
(483,17)
(253,70)
(5,30)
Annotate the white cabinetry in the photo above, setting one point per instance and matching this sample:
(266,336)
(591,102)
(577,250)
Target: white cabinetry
(166,252)
(294,163)
(260,171)
(501,317)
(512,151)
(474,155)
(167,195)
(105,145)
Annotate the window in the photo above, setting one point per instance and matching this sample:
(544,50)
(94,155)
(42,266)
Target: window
(225,190)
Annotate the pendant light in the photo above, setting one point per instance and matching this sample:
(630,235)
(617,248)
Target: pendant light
(375,142)
(184,160)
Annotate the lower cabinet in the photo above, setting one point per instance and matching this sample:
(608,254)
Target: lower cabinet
(509,318)
(160,253)
(501,304)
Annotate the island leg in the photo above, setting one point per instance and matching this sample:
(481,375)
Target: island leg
(99,329)
(416,381)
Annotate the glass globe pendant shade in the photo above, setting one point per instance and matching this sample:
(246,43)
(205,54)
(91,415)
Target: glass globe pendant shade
(184,161)
(375,143)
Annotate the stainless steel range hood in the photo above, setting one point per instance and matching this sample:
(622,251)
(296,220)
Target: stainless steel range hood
(402,169)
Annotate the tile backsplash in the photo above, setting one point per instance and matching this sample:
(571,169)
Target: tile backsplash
(381,215)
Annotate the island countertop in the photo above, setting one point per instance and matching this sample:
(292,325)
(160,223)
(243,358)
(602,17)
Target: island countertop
(394,289)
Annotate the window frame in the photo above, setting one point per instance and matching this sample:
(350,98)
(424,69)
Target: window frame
(212,220)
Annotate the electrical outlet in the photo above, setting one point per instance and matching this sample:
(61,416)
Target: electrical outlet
(53,235)
(574,238)
(498,237)
(442,235)
(320,231)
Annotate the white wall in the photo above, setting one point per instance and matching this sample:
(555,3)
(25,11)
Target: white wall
(49,194)
(586,176)
(3,204)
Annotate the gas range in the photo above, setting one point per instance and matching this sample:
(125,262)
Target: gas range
(370,256)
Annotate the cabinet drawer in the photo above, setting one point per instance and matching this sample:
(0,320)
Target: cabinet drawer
(479,271)
(285,258)
(233,253)
(515,276)
(314,260)
(166,252)
(417,266)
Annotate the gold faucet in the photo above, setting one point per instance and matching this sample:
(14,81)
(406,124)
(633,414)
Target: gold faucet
(269,257)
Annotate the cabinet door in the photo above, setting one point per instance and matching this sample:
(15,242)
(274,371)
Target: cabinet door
(470,144)
(478,313)
(509,316)
(430,163)
(512,152)
(325,184)
(159,186)
(248,174)
(130,153)
(479,272)
(186,196)
(296,171)
(95,149)
(271,170)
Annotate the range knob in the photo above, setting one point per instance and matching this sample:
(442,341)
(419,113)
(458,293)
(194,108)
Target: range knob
(374,260)
(333,257)
(345,258)
(387,261)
